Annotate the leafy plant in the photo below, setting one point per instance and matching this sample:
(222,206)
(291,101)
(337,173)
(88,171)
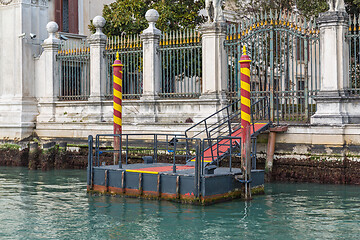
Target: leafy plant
(128,16)
(306,8)
(9,146)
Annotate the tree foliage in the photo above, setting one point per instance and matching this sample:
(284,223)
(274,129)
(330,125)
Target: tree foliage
(352,6)
(128,16)
(307,8)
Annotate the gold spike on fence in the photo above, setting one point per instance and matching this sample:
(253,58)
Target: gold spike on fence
(180,37)
(126,42)
(283,20)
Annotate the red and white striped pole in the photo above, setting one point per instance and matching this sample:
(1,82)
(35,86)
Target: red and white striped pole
(117,91)
(245,120)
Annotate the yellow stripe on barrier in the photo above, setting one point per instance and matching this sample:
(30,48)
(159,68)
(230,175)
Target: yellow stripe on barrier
(245,116)
(117,107)
(245,71)
(117,94)
(139,171)
(207,161)
(117,80)
(245,86)
(245,101)
(117,120)
(257,124)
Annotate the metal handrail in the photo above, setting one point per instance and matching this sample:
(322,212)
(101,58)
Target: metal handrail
(156,142)
(230,116)
(204,121)
(220,125)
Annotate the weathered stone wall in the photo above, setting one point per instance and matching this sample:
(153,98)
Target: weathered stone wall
(311,169)
(336,162)
(44,159)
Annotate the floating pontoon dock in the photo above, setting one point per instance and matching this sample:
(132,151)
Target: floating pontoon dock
(199,168)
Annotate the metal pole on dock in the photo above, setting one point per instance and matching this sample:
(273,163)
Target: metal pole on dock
(117,91)
(245,121)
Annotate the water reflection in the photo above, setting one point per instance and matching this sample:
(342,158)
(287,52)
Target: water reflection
(54,205)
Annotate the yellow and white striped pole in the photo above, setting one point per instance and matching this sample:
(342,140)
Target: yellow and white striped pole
(117,91)
(245,120)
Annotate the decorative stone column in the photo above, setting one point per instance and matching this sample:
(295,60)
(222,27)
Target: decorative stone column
(52,79)
(214,79)
(334,105)
(98,67)
(49,83)
(152,72)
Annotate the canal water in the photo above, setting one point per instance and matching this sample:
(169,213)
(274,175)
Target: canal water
(54,205)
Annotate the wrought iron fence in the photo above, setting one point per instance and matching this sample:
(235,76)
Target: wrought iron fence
(131,56)
(354,54)
(74,70)
(181,59)
(285,54)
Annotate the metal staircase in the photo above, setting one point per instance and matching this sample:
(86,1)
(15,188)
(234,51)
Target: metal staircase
(222,131)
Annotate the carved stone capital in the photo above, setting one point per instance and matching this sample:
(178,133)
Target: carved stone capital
(97,39)
(146,37)
(213,27)
(333,17)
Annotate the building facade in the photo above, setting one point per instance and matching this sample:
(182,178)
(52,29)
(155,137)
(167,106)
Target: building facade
(22,31)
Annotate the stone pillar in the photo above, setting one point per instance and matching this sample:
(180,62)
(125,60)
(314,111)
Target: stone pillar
(152,71)
(148,109)
(334,105)
(334,52)
(49,83)
(52,77)
(98,67)
(214,79)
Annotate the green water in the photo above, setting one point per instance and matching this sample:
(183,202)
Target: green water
(54,205)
